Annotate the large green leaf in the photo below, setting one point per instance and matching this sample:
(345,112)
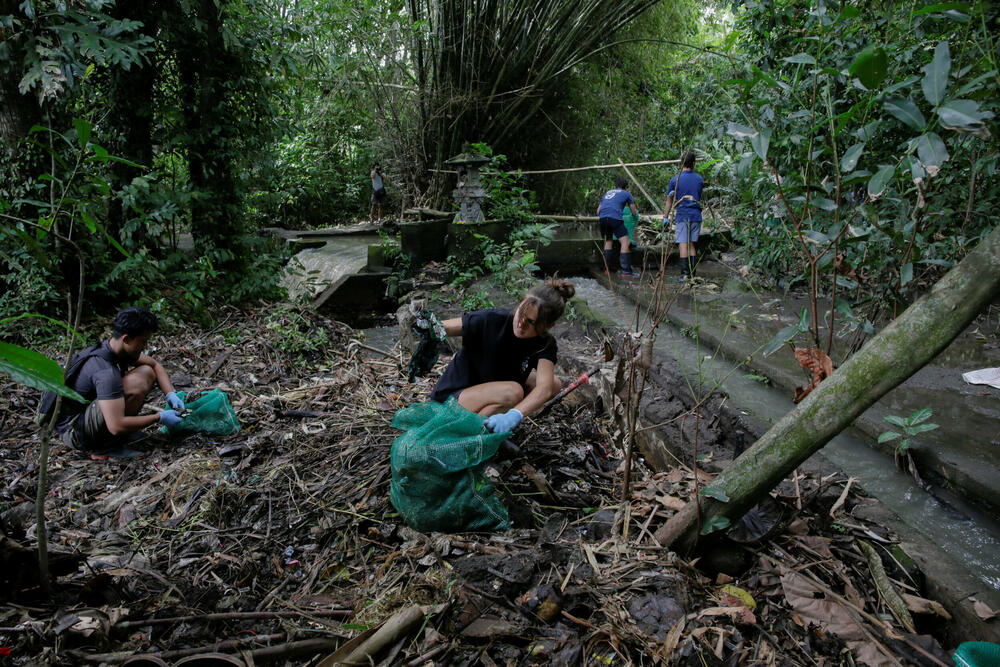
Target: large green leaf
(868,130)
(905,110)
(900,85)
(800,59)
(850,158)
(843,308)
(931,150)
(760,143)
(823,203)
(965,116)
(915,166)
(906,274)
(82,131)
(714,524)
(935,79)
(740,131)
(896,420)
(878,182)
(35,370)
(871,66)
(804,320)
(782,337)
(715,492)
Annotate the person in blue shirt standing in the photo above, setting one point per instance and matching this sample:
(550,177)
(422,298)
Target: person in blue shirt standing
(609,212)
(685,188)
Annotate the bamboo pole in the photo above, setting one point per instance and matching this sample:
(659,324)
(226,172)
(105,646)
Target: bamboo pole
(560,171)
(639,185)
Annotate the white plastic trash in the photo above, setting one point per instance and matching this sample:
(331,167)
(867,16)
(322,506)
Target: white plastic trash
(990,376)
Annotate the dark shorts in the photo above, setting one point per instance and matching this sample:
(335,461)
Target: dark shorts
(88,431)
(612,229)
(378,196)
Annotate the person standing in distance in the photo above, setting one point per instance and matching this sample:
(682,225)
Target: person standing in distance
(378,193)
(610,215)
(685,188)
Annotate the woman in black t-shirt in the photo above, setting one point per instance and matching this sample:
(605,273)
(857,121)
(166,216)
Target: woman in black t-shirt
(506,366)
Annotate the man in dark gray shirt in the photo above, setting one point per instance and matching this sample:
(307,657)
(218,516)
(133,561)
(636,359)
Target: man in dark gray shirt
(115,375)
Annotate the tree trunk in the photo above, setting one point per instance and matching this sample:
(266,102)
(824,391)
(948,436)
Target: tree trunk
(132,95)
(899,351)
(17,112)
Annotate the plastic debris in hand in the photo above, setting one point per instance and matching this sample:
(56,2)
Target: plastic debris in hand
(430,330)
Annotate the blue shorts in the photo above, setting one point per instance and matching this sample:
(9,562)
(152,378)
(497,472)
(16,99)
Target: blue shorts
(687,230)
(612,228)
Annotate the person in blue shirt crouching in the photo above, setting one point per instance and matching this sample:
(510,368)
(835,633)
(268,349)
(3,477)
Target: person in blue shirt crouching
(612,221)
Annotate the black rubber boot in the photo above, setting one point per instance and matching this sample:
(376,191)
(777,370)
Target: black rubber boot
(625,259)
(607,260)
(692,264)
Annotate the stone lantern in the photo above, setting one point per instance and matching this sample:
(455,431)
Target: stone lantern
(470,193)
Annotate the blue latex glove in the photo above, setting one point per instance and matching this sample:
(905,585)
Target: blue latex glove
(175,401)
(505,421)
(170,418)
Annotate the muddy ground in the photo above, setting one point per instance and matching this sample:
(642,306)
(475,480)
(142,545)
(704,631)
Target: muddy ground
(279,545)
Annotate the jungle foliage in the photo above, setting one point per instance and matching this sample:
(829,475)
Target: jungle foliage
(864,158)
(853,148)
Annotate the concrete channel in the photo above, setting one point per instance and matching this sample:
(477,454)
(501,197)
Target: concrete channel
(956,543)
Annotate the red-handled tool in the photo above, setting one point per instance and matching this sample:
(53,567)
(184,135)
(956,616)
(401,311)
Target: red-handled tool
(583,379)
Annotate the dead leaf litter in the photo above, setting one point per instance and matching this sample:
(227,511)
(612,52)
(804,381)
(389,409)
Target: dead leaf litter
(279,544)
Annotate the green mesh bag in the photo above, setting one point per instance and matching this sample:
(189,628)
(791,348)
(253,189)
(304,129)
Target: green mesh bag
(211,414)
(437,465)
(630,222)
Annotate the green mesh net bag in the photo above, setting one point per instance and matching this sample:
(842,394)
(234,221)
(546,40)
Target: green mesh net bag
(210,414)
(437,465)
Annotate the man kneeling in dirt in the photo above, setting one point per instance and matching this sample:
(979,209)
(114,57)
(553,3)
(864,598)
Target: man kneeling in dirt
(100,373)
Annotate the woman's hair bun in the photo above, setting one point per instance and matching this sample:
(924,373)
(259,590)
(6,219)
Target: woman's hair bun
(564,287)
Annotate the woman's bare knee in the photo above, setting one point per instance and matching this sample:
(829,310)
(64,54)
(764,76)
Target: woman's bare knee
(511,394)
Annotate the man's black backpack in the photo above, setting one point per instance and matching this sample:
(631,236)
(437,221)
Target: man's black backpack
(48,402)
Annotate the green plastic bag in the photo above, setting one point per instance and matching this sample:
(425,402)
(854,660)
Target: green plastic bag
(630,222)
(977,654)
(210,413)
(438,483)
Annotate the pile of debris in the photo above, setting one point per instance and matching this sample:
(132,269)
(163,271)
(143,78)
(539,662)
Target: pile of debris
(279,543)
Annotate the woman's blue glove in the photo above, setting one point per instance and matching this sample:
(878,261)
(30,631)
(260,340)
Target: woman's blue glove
(170,418)
(504,422)
(175,401)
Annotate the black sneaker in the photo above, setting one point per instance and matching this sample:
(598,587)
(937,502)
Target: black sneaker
(120,447)
(115,452)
